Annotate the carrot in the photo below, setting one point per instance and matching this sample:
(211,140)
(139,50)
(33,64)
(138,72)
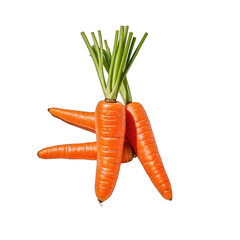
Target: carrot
(84,120)
(86,151)
(110,130)
(110,118)
(140,134)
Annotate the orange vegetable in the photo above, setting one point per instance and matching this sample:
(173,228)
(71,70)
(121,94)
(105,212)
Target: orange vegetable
(140,135)
(84,120)
(110,131)
(81,151)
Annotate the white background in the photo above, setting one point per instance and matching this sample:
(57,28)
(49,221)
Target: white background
(186,76)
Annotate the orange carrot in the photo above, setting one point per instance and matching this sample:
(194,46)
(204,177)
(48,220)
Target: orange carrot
(86,151)
(84,120)
(110,131)
(140,135)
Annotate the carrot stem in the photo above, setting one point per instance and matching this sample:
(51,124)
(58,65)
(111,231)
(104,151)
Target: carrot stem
(107,47)
(110,74)
(95,58)
(101,46)
(135,53)
(119,55)
(90,49)
(130,51)
(124,88)
(96,44)
(119,76)
(125,35)
(107,53)
(116,65)
(101,58)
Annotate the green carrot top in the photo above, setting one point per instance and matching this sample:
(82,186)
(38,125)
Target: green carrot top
(117,63)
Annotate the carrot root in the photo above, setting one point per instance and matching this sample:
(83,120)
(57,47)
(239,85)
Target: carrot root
(110,131)
(86,151)
(140,135)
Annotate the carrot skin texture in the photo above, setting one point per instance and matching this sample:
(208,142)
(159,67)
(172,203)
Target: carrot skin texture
(84,120)
(110,130)
(140,135)
(128,153)
(86,151)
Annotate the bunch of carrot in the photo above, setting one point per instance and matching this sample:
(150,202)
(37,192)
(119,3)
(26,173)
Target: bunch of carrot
(122,131)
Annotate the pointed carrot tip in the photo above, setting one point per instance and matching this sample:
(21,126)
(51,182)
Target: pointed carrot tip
(100,201)
(51,110)
(168,195)
(39,154)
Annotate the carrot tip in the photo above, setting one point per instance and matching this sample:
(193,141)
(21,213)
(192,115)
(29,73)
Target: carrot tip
(39,154)
(100,202)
